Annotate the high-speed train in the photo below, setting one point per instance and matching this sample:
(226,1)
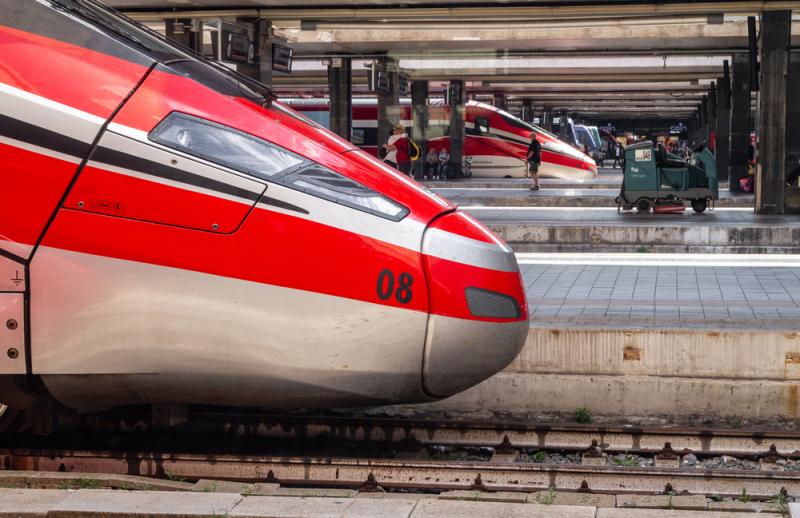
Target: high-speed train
(168,234)
(496,141)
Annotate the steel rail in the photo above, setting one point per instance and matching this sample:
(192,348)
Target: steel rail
(418,474)
(569,437)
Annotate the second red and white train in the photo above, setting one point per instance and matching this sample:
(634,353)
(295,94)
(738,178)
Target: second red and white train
(496,141)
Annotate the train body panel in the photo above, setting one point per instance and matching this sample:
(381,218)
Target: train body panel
(184,240)
(495,141)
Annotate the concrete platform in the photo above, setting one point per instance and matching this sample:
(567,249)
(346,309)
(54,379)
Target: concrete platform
(88,503)
(731,230)
(561,197)
(640,337)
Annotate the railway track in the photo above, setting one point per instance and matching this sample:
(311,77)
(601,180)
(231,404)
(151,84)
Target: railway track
(566,437)
(409,474)
(419,454)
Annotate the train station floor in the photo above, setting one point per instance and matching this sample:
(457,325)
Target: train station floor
(562,196)
(729,292)
(574,216)
(97,503)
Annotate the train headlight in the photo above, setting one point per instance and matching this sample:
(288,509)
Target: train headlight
(322,182)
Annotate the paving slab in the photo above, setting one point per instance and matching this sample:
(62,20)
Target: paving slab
(294,507)
(463,509)
(485,496)
(220,486)
(569,498)
(666,513)
(366,508)
(106,503)
(735,505)
(29,503)
(319,492)
(693,502)
(794,510)
(395,496)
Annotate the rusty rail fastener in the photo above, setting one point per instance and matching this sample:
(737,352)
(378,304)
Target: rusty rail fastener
(594,450)
(584,487)
(370,485)
(271,478)
(477,484)
(772,456)
(506,447)
(667,453)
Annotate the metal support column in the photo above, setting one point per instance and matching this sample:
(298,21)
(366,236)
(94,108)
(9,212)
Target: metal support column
(185,31)
(388,100)
(792,196)
(723,151)
(740,118)
(340,86)
(419,130)
(771,171)
(456,99)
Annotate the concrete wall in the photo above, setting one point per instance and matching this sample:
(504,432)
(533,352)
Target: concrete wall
(644,373)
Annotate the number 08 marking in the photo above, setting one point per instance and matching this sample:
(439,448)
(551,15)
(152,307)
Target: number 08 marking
(386,286)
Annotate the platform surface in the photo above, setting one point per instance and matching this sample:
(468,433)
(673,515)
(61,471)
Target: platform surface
(562,196)
(607,216)
(613,290)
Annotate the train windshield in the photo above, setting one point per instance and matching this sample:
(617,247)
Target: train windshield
(521,124)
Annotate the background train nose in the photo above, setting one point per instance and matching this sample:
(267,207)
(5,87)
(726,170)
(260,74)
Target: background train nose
(478,319)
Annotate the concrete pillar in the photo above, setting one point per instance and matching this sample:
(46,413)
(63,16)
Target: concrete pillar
(419,130)
(563,133)
(711,115)
(702,128)
(547,120)
(388,101)
(499,101)
(723,151)
(340,88)
(456,100)
(185,32)
(527,110)
(792,197)
(740,118)
(771,171)
(261,70)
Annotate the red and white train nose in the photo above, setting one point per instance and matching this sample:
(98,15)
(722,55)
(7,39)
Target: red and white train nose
(478,313)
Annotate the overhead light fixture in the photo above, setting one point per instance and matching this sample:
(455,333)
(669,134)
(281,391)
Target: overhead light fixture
(308,25)
(716,19)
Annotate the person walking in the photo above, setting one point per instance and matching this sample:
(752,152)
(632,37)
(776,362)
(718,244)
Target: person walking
(534,159)
(618,153)
(397,150)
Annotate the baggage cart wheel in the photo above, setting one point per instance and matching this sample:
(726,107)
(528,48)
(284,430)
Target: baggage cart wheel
(699,205)
(643,205)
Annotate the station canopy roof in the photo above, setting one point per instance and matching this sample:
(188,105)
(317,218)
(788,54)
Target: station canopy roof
(595,57)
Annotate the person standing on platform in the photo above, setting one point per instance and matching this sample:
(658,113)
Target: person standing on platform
(397,150)
(534,159)
(618,155)
(442,170)
(431,159)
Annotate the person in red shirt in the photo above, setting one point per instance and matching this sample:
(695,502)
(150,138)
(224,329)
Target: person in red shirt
(397,150)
